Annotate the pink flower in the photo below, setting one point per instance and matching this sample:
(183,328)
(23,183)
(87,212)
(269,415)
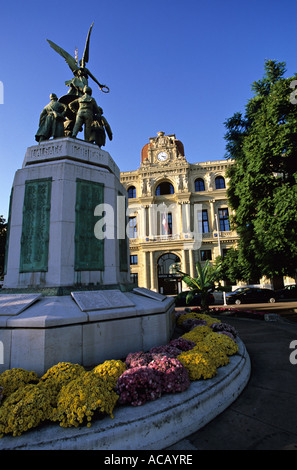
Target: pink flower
(138,385)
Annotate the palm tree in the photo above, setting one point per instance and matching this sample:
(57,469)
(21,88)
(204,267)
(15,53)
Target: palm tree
(203,284)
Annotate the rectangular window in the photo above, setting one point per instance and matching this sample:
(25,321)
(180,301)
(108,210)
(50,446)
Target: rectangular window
(134,278)
(224,220)
(166,225)
(133,259)
(132,227)
(224,252)
(205,255)
(203,225)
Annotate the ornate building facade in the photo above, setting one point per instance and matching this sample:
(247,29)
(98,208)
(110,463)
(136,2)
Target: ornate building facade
(178,214)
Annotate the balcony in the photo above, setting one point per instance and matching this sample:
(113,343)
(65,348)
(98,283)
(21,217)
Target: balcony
(211,236)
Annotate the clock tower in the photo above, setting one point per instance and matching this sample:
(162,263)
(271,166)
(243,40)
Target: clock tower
(175,209)
(162,150)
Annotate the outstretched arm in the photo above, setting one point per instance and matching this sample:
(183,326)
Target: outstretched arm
(96,81)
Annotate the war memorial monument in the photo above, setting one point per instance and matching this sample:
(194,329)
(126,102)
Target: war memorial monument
(67,294)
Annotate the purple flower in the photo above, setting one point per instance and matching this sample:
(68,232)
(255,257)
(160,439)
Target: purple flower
(173,375)
(138,359)
(191,323)
(182,344)
(138,385)
(220,327)
(168,350)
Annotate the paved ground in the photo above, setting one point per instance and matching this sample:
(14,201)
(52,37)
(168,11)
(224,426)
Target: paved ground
(264,416)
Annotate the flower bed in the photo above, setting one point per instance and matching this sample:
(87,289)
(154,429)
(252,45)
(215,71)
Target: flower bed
(237,312)
(72,396)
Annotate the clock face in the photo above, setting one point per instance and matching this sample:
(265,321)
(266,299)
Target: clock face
(162,156)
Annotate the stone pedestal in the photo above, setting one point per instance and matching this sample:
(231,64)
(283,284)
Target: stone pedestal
(52,218)
(67,294)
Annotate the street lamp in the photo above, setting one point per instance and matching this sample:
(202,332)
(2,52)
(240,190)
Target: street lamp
(220,252)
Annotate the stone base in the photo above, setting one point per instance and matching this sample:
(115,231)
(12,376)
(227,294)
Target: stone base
(83,329)
(53,216)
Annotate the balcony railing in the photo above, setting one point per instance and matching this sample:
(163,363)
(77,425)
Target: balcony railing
(183,236)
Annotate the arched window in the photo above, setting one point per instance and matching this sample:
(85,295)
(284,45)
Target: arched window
(132,192)
(220,182)
(199,185)
(164,188)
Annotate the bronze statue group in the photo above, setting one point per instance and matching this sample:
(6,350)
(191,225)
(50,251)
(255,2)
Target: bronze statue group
(68,115)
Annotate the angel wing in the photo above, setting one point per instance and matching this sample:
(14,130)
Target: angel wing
(69,59)
(85,57)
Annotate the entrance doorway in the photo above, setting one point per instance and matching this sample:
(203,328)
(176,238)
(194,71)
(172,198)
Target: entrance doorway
(169,281)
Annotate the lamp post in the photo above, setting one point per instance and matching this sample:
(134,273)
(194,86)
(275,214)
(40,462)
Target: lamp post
(220,252)
(219,243)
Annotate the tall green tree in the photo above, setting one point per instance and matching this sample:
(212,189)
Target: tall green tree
(262,144)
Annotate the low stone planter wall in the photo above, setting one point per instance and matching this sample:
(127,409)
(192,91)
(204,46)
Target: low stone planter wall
(153,426)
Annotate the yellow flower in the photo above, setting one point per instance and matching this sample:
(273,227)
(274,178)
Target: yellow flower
(198,364)
(199,316)
(228,345)
(73,406)
(215,353)
(110,370)
(197,334)
(24,409)
(12,379)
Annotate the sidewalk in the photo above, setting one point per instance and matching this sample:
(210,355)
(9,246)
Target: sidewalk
(264,416)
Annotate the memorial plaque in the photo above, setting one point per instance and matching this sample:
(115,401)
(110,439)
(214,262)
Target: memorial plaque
(13,304)
(149,293)
(101,300)
(35,226)
(89,250)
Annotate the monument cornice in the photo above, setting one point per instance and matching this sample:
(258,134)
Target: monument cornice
(67,148)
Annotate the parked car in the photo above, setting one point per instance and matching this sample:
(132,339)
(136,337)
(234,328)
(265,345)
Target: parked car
(180,300)
(288,292)
(218,297)
(250,295)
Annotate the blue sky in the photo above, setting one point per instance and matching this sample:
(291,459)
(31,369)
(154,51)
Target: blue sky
(182,67)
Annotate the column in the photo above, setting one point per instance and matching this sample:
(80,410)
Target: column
(152,222)
(183,261)
(141,223)
(191,262)
(186,218)
(153,273)
(145,268)
(212,222)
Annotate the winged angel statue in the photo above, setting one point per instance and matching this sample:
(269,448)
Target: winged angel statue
(78,102)
(80,72)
